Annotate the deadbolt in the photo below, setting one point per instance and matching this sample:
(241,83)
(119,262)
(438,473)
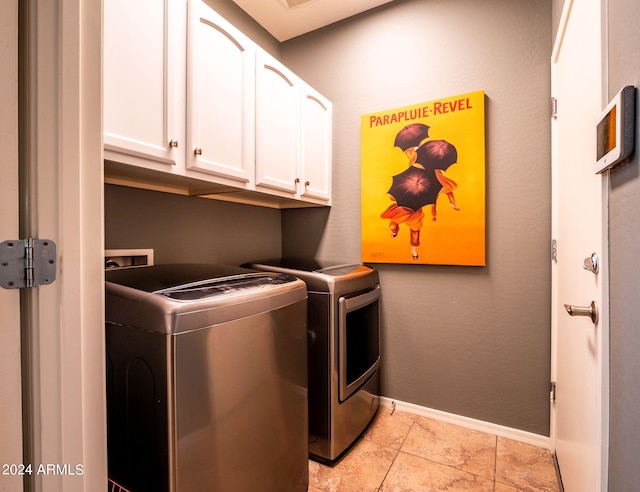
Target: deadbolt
(591,263)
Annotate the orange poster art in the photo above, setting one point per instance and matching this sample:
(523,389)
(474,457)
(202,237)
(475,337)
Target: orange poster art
(423,183)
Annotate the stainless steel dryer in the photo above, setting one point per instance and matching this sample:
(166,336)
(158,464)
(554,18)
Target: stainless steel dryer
(206,379)
(344,350)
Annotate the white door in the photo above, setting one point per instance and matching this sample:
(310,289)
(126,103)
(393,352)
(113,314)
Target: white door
(579,364)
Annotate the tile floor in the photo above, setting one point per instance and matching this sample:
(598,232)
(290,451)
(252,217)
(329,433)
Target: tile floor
(406,452)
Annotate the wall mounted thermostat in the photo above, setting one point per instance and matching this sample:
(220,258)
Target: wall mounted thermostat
(615,131)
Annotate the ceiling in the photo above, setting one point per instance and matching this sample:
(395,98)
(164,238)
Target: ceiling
(286,19)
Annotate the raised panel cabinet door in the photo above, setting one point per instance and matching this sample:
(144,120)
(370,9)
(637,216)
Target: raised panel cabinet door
(277,125)
(220,98)
(142,103)
(316,136)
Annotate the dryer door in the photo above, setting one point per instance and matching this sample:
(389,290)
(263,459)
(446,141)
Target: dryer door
(358,340)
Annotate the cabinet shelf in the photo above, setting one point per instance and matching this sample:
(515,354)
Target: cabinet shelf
(120,174)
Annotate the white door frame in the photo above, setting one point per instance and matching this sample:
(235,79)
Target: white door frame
(63,163)
(604,270)
(10,382)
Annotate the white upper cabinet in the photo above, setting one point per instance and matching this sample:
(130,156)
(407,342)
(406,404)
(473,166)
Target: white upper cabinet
(144,46)
(193,106)
(277,125)
(220,97)
(293,134)
(315,166)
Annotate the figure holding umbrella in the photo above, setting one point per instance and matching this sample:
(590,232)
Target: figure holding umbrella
(421,183)
(409,139)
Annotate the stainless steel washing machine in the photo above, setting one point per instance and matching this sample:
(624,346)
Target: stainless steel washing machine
(343,350)
(206,379)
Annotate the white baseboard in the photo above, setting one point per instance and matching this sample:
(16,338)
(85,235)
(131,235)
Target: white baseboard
(479,425)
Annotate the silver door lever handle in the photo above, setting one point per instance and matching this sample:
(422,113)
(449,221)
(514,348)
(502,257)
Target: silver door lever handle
(591,311)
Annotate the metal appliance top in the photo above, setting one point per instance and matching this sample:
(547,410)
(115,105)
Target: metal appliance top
(194,281)
(182,297)
(331,277)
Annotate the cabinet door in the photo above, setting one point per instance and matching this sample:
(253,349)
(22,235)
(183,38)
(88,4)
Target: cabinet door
(220,97)
(277,125)
(143,42)
(316,145)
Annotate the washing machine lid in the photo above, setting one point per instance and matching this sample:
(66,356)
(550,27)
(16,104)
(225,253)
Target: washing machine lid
(163,277)
(190,282)
(183,297)
(225,285)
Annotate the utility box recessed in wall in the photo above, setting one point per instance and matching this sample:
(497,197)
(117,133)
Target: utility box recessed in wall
(127,258)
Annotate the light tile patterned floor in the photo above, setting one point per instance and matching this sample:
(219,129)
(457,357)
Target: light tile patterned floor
(407,452)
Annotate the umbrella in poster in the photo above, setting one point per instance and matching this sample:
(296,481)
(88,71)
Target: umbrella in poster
(411,136)
(437,154)
(414,188)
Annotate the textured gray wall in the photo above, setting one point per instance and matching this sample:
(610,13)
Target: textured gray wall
(239,18)
(470,341)
(188,229)
(624,247)
(556,14)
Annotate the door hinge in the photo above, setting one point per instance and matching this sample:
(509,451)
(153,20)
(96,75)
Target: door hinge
(554,108)
(554,250)
(27,263)
(552,392)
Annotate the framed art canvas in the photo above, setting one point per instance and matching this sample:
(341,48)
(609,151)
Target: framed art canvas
(423,183)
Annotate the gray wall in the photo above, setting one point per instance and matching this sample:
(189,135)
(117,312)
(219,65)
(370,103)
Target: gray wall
(556,14)
(470,341)
(239,18)
(624,230)
(189,229)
